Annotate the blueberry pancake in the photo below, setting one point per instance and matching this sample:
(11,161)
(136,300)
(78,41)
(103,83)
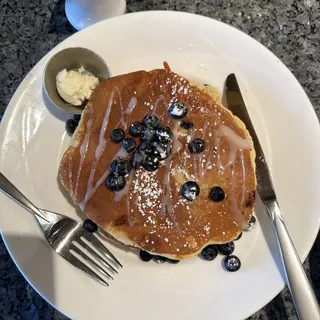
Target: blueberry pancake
(159,164)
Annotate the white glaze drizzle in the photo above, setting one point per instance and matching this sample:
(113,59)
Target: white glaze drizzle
(166,201)
(236,144)
(176,144)
(103,143)
(125,192)
(91,191)
(70,174)
(120,194)
(236,209)
(131,105)
(161,98)
(243,179)
(166,198)
(200,168)
(198,171)
(121,154)
(237,214)
(83,150)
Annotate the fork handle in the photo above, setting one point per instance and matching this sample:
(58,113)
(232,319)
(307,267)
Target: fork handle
(302,294)
(10,190)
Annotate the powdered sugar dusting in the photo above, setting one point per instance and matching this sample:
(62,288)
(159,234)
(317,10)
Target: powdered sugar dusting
(147,193)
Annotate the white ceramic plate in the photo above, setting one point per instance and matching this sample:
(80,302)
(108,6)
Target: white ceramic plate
(33,139)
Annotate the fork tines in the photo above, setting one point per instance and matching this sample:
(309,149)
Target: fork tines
(89,255)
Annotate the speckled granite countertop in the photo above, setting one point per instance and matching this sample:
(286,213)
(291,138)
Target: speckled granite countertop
(30,28)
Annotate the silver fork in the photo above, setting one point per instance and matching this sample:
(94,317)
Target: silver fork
(68,238)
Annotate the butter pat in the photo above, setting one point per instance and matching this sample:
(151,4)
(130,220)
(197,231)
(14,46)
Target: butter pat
(75,86)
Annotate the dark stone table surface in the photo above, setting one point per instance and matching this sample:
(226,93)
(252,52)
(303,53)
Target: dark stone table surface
(30,28)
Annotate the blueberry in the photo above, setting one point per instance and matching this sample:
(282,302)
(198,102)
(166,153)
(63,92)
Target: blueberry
(190,190)
(232,263)
(164,134)
(164,144)
(117,135)
(217,194)
(90,226)
(146,147)
(173,261)
(197,145)
(209,253)
(186,125)
(226,248)
(238,237)
(137,159)
(156,152)
(252,224)
(120,167)
(148,134)
(178,110)
(164,154)
(151,121)
(128,144)
(115,183)
(161,150)
(71,126)
(136,128)
(151,163)
(159,259)
(145,256)
(77,117)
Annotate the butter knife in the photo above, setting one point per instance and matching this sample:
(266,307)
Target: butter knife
(302,294)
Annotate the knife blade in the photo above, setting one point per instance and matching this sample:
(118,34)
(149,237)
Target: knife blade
(237,106)
(302,294)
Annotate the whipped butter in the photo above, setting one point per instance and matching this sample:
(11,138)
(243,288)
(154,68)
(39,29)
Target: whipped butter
(75,86)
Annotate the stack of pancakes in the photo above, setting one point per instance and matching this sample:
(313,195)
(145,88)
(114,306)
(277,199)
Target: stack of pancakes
(150,213)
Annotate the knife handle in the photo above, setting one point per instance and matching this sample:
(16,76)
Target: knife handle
(304,300)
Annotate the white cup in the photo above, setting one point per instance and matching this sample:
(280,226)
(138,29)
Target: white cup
(83,13)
